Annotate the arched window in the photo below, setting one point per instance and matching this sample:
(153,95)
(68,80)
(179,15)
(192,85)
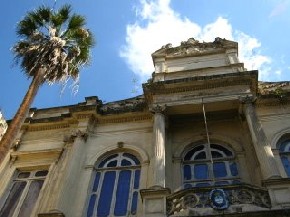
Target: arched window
(115,187)
(285,155)
(199,170)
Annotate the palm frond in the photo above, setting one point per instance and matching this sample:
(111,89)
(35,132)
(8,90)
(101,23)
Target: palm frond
(44,13)
(43,46)
(26,27)
(40,16)
(76,21)
(60,17)
(64,12)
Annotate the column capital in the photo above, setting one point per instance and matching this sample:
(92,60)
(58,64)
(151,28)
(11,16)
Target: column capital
(75,134)
(247,99)
(157,108)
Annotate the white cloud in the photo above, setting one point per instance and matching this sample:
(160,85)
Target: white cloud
(158,24)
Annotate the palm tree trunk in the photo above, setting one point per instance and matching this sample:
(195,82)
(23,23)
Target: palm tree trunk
(19,118)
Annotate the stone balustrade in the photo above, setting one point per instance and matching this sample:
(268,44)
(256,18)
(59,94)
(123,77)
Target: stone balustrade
(195,198)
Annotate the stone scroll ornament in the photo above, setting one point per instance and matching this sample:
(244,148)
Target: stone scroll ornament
(219,199)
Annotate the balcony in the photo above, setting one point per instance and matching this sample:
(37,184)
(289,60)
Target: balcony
(196,201)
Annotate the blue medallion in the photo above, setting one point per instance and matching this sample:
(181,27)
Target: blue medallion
(219,199)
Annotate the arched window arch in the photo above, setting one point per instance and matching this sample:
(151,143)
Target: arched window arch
(115,186)
(205,165)
(284,149)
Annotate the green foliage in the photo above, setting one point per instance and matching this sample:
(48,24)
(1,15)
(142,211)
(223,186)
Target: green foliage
(56,41)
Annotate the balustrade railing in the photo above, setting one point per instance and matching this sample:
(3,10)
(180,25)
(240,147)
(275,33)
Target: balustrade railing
(199,197)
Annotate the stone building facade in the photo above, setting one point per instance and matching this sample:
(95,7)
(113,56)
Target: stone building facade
(205,139)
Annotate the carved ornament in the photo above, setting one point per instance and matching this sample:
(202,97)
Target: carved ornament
(247,99)
(158,108)
(76,134)
(200,197)
(195,47)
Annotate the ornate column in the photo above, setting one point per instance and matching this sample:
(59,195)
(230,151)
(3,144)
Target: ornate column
(159,147)
(262,146)
(154,198)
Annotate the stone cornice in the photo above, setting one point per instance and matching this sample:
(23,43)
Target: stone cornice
(60,123)
(202,83)
(41,155)
(154,191)
(272,101)
(128,110)
(136,104)
(281,181)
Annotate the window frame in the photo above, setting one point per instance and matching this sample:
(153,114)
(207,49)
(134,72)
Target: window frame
(28,180)
(286,154)
(117,169)
(210,180)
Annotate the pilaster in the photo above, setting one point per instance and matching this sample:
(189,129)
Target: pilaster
(61,183)
(261,144)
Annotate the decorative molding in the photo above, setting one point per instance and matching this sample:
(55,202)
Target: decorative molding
(75,134)
(124,119)
(53,213)
(199,197)
(248,99)
(274,117)
(157,108)
(279,181)
(275,88)
(272,101)
(137,151)
(193,47)
(154,191)
(16,144)
(124,106)
(84,116)
(37,157)
(32,128)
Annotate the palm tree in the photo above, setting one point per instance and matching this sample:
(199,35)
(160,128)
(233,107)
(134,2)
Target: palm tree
(53,46)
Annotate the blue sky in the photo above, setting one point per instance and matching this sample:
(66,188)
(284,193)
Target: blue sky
(128,31)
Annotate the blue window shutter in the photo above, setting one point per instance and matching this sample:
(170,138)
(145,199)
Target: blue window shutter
(234,169)
(134,203)
(122,194)
(137,179)
(106,195)
(187,172)
(91,206)
(219,169)
(96,182)
(201,171)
